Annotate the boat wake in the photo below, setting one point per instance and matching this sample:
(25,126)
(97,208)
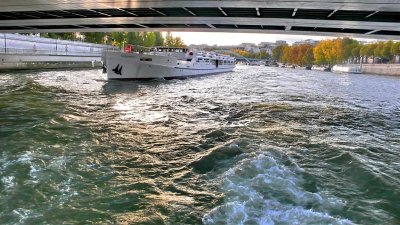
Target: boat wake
(261,190)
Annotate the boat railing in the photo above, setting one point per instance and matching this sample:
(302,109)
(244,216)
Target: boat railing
(185,63)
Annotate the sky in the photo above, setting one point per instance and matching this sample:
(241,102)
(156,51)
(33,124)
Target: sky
(219,38)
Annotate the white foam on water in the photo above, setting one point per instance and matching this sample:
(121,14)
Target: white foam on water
(8,182)
(58,163)
(66,190)
(27,158)
(23,214)
(260,190)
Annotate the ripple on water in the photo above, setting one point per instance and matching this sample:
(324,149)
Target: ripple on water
(78,149)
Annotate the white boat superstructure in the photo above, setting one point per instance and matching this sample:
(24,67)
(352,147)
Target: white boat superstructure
(347,68)
(165,62)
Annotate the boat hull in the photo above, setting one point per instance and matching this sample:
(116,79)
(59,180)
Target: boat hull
(122,66)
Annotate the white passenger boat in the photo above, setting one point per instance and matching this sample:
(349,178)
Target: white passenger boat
(351,68)
(164,62)
(321,68)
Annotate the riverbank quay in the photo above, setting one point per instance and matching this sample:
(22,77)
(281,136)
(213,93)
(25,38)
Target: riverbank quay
(380,69)
(21,52)
(24,62)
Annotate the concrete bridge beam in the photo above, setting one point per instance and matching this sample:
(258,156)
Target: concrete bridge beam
(355,18)
(39,5)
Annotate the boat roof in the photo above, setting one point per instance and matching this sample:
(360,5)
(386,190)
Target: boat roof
(169,47)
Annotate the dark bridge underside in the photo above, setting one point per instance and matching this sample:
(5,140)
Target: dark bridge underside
(363,23)
(287,13)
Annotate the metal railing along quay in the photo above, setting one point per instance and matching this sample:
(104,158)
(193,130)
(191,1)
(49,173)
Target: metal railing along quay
(17,51)
(16,44)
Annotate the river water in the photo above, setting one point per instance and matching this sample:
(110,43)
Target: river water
(259,145)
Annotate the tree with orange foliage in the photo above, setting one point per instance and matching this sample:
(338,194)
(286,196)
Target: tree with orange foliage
(329,52)
(333,51)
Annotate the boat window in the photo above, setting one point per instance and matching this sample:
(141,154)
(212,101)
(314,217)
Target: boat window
(146,59)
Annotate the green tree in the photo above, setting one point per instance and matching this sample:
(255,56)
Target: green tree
(159,39)
(395,49)
(377,49)
(263,55)
(277,52)
(94,37)
(385,52)
(132,38)
(348,45)
(118,38)
(169,40)
(364,50)
(178,42)
(149,39)
(370,50)
(71,36)
(355,52)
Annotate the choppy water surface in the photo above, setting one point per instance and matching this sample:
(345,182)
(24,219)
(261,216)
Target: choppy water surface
(256,146)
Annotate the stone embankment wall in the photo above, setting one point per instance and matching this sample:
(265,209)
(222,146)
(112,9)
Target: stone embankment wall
(47,65)
(30,61)
(381,69)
